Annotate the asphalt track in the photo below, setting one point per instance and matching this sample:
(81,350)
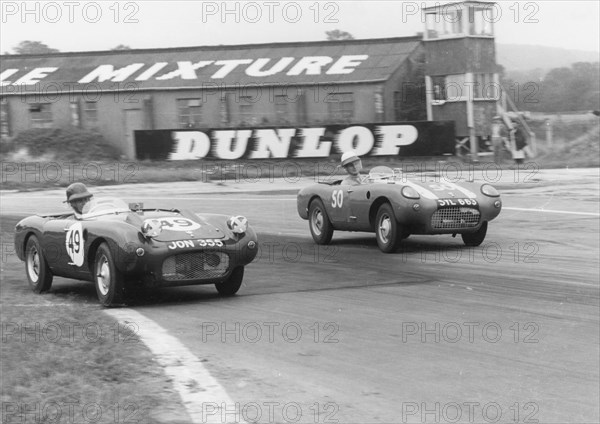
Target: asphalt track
(437,332)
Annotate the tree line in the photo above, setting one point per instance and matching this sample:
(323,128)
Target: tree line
(559,90)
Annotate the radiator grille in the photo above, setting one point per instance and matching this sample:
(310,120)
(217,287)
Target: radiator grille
(455,218)
(195,266)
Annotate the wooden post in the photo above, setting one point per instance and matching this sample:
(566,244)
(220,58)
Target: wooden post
(549,131)
(471,118)
(428,97)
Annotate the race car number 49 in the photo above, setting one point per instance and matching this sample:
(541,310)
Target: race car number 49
(456,202)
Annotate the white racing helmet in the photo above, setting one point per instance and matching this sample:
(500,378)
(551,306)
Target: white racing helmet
(349,157)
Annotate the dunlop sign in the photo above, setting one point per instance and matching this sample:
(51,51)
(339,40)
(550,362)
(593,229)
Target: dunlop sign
(389,139)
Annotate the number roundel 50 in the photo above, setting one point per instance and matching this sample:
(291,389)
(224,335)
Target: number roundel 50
(337,198)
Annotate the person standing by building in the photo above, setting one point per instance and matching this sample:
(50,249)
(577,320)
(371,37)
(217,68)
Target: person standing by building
(499,136)
(519,142)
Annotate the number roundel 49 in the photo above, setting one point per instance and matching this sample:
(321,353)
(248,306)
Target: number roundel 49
(337,198)
(178,224)
(74,244)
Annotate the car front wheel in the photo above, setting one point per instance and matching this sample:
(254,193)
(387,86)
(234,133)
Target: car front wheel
(387,229)
(476,238)
(232,284)
(39,275)
(320,226)
(108,279)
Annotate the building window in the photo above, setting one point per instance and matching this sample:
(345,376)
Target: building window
(4,120)
(449,88)
(397,104)
(225,108)
(485,88)
(340,106)
(282,112)
(246,110)
(75,114)
(480,21)
(448,23)
(189,113)
(90,113)
(438,88)
(455,87)
(41,115)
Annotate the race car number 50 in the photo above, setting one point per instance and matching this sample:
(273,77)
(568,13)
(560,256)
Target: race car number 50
(337,198)
(457,202)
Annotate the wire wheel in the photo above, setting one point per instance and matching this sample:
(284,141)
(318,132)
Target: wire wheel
(33,264)
(387,229)
(317,221)
(110,283)
(38,273)
(320,226)
(103,275)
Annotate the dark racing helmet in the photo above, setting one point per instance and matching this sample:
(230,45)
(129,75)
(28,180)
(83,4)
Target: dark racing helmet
(77,191)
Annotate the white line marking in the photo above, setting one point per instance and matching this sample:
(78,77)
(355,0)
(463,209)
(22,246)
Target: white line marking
(553,211)
(225,197)
(234,199)
(203,397)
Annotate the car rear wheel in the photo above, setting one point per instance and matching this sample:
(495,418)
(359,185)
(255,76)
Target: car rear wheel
(387,229)
(233,283)
(320,226)
(109,281)
(39,275)
(476,238)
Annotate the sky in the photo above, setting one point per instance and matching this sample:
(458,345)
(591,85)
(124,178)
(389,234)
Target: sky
(102,25)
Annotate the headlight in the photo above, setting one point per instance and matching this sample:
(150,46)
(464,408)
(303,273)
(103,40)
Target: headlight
(237,224)
(410,193)
(151,227)
(488,190)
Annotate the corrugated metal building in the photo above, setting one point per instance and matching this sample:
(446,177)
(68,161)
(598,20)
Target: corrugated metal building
(449,74)
(301,83)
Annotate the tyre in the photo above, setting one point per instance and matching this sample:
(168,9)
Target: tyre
(233,283)
(476,238)
(318,221)
(387,230)
(108,279)
(39,275)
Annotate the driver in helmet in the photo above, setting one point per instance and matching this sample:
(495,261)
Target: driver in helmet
(352,164)
(77,196)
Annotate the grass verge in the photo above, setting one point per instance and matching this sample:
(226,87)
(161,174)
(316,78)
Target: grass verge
(64,361)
